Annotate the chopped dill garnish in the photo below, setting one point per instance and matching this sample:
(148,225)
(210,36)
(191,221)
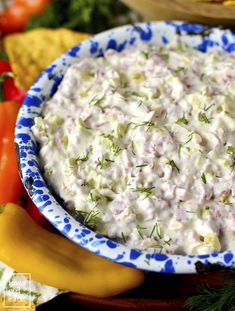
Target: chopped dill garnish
(91,218)
(116,150)
(203,118)
(172,164)
(146,53)
(142,165)
(140,231)
(95,101)
(147,261)
(182,120)
(93,197)
(179,150)
(147,191)
(207,108)
(102,163)
(133,148)
(230,150)
(148,124)
(203,177)
(156,228)
(190,137)
(86,157)
(123,237)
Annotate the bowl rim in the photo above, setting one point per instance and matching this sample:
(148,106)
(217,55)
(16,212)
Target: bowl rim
(46,202)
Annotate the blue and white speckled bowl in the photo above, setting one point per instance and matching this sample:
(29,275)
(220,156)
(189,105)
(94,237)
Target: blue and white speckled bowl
(159,33)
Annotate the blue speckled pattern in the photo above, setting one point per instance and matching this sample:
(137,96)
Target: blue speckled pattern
(159,33)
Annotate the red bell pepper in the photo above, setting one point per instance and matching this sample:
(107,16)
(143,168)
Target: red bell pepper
(9,90)
(11,188)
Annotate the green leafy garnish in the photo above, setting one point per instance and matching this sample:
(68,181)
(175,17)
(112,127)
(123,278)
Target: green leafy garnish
(90,16)
(203,118)
(140,231)
(230,150)
(133,148)
(146,53)
(147,191)
(207,108)
(94,197)
(190,137)
(182,120)
(91,218)
(179,150)
(102,163)
(86,157)
(156,228)
(142,165)
(203,177)
(172,163)
(123,237)
(214,299)
(96,101)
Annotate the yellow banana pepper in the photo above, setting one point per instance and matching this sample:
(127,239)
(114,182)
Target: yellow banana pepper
(56,261)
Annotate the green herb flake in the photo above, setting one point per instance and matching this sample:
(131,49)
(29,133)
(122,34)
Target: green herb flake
(208,107)
(142,165)
(123,237)
(230,150)
(145,190)
(190,137)
(158,230)
(146,53)
(172,164)
(140,231)
(133,148)
(182,120)
(203,118)
(203,178)
(179,150)
(91,218)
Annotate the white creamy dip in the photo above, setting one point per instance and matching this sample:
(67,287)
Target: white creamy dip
(141,144)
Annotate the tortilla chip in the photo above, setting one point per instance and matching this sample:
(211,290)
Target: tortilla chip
(31,52)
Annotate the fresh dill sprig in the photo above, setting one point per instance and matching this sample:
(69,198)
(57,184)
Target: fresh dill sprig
(140,231)
(123,237)
(142,165)
(133,148)
(156,228)
(86,157)
(203,178)
(146,53)
(207,108)
(179,150)
(147,191)
(230,150)
(213,299)
(96,101)
(182,120)
(172,164)
(148,124)
(91,218)
(102,163)
(190,137)
(202,117)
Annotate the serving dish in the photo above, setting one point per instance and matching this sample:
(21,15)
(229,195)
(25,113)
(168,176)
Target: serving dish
(158,33)
(199,12)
